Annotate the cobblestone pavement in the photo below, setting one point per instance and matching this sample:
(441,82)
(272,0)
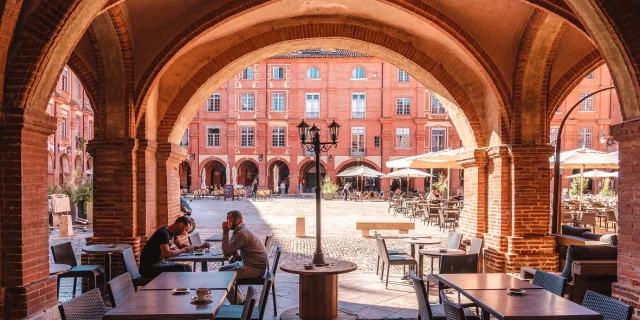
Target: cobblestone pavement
(360,292)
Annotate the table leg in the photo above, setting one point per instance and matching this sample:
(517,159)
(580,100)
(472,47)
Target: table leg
(485,315)
(318,297)
(421,246)
(107,269)
(205,266)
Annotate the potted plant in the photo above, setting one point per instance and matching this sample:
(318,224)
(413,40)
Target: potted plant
(442,184)
(83,195)
(328,188)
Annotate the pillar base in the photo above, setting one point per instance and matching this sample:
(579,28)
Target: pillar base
(24,301)
(531,251)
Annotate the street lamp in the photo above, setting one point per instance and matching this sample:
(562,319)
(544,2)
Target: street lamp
(310,139)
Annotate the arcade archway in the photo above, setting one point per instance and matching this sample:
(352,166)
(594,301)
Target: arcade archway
(308,173)
(215,173)
(185,175)
(247,172)
(278,171)
(359,183)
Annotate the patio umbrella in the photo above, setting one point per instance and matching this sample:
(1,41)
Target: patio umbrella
(203,184)
(228,176)
(361,171)
(440,159)
(595,174)
(276,175)
(234,173)
(407,173)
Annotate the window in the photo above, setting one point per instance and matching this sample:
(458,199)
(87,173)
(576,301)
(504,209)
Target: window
(403,76)
(585,139)
(277,102)
(90,131)
(246,137)
(358,73)
(402,138)
(278,136)
(436,106)
(278,73)
(376,142)
(553,135)
(313,73)
(77,89)
(63,124)
(589,76)
(313,106)
(247,74)
(213,137)
(357,141)
(587,104)
(438,139)
(185,138)
(64,82)
(78,126)
(213,103)
(246,101)
(403,106)
(358,106)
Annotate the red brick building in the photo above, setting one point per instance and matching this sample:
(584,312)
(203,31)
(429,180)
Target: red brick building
(384,114)
(70,106)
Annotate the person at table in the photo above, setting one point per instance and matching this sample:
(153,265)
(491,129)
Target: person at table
(158,248)
(252,251)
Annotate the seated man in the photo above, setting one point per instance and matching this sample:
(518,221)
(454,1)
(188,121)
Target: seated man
(252,251)
(158,248)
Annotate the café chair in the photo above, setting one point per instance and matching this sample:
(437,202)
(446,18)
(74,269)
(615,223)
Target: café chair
(120,288)
(261,280)
(63,253)
(249,304)
(88,306)
(611,218)
(234,312)
(427,311)
(394,260)
(465,263)
(453,240)
(454,311)
(550,282)
(130,264)
(390,251)
(476,245)
(609,308)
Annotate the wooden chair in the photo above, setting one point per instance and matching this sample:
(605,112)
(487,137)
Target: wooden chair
(589,219)
(611,217)
(63,253)
(120,288)
(446,220)
(88,306)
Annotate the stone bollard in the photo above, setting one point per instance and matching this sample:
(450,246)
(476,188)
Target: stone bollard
(300,227)
(66,226)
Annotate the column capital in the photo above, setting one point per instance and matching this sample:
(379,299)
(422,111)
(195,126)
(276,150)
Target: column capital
(625,131)
(473,158)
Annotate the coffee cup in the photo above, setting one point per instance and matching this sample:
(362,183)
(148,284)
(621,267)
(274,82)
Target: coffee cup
(202,293)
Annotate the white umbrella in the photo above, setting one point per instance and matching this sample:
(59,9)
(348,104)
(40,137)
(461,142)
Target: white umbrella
(407,173)
(584,158)
(276,175)
(234,173)
(441,159)
(203,184)
(595,174)
(361,171)
(228,176)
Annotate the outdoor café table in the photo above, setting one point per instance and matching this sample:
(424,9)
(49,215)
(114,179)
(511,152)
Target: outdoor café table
(486,281)
(318,289)
(420,242)
(215,238)
(58,268)
(106,249)
(534,304)
(222,280)
(435,252)
(214,255)
(163,304)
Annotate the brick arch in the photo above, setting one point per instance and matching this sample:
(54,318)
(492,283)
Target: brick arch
(419,9)
(571,79)
(306,162)
(344,36)
(559,8)
(349,162)
(274,160)
(209,160)
(86,77)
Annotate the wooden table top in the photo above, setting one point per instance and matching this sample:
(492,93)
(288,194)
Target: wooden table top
(221,280)
(105,247)
(422,240)
(334,267)
(215,238)
(162,304)
(534,304)
(58,268)
(483,281)
(436,252)
(214,255)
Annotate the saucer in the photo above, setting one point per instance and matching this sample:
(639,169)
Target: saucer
(443,250)
(516,291)
(194,299)
(308,266)
(199,253)
(112,245)
(180,290)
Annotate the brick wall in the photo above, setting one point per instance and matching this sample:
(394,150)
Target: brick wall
(169,156)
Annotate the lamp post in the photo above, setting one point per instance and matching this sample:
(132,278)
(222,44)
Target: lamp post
(314,145)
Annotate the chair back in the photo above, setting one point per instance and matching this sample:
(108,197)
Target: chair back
(63,253)
(611,216)
(441,215)
(424,308)
(453,240)
(88,306)
(276,260)
(195,240)
(264,295)
(120,288)
(378,244)
(609,308)
(268,241)
(249,303)
(452,311)
(588,218)
(550,282)
(466,263)
(384,253)
(476,245)
(130,263)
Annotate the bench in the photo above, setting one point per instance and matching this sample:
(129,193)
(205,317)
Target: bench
(403,227)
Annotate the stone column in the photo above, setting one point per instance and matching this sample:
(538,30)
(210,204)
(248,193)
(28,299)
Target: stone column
(25,284)
(168,157)
(473,219)
(498,209)
(146,183)
(626,289)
